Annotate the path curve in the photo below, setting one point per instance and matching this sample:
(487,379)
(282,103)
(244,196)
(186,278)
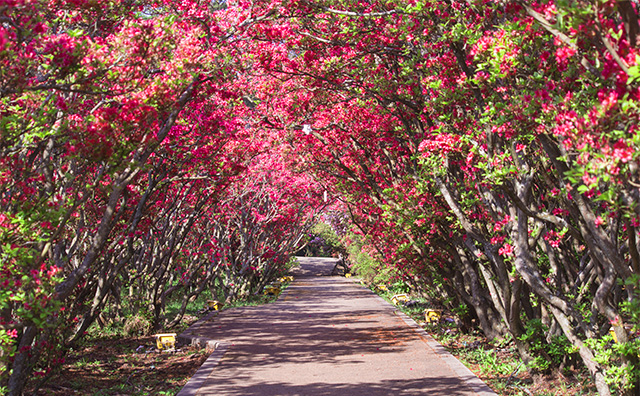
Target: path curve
(325,335)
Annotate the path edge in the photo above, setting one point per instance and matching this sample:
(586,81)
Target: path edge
(472,380)
(196,382)
(462,371)
(189,337)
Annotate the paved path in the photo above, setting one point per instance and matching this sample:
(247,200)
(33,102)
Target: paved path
(325,335)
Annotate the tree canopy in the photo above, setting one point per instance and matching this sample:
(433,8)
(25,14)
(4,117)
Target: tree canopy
(484,149)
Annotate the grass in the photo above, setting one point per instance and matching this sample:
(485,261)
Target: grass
(493,362)
(200,303)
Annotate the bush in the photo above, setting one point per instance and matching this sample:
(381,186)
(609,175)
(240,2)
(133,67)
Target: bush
(324,242)
(548,352)
(366,266)
(136,325)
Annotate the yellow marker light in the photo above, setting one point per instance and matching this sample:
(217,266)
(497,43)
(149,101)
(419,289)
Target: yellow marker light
(166,341)
(432,315)
(272,290)
(399,298)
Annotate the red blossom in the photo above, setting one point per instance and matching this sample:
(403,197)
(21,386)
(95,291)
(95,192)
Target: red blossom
(506,250)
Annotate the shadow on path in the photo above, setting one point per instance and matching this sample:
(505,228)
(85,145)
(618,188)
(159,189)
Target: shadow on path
(325,336)
(314,266)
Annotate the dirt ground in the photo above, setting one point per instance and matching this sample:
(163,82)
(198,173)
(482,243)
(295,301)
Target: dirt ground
(124,366)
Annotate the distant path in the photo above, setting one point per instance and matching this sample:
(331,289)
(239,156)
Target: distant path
(325,335)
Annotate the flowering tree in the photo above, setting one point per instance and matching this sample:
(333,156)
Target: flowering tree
(260,224)
(105,111)
(486,148)
(494,143)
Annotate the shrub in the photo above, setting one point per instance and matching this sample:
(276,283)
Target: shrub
(136,325)
(548,351)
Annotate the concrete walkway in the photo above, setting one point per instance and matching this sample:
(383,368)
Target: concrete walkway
(325,335)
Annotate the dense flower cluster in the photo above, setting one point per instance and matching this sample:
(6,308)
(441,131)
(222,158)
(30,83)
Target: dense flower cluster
(128,167)
(487,150)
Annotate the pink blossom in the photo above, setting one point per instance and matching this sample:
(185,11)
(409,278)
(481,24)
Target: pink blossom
(622,152)
(560,212)
(553,238)
(53,270)
(589,180)
(60,103)
(506,250)
(562,56)
(500,224)
(443,144)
